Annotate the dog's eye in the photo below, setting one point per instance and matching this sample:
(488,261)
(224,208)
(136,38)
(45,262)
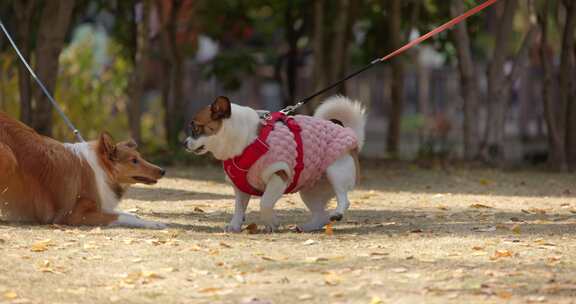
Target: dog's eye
(135,161)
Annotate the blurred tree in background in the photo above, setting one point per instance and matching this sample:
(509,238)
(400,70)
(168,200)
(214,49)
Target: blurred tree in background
(140,67)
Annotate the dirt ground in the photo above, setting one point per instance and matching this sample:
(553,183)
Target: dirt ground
(411,236)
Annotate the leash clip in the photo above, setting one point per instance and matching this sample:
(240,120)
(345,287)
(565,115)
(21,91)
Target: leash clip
(289,109)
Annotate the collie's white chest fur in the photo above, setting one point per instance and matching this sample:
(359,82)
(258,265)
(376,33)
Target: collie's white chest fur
(109,200)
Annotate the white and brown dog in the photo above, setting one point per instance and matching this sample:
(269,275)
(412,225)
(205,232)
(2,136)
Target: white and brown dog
(315,156)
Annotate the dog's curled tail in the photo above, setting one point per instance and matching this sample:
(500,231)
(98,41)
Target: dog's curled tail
(350,113)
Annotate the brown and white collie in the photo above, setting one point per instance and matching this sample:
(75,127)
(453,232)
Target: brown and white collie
(47,182)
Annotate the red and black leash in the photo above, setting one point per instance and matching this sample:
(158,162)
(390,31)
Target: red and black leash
(443,27)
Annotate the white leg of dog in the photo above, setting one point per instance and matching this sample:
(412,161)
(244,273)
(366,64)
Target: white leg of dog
(342,176)
(131,220)
(316,199)
(274,190)
(240,206)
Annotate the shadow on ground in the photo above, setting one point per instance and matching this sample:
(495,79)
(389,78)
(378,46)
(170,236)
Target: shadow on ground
(165,194)
(402,177)
(394,222)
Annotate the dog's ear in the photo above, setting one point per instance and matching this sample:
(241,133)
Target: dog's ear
(221,108)
(106,145)
(130,144)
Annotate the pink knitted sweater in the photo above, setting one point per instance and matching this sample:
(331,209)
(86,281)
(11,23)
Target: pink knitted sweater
(323,142)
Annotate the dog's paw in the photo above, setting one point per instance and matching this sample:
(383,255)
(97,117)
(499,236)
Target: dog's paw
(130,220)
(270,228)
(269,220)
(336,216)
(233,228)
(309,227)
(295,229)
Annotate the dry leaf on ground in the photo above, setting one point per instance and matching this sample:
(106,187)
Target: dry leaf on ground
(10,295)
(332,279)
(41,245)
(481,206)
(329,229)
(502,253)
(252,228)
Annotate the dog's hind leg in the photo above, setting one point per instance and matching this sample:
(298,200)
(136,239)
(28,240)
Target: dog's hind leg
(342,177)
(242,200)
(316,199)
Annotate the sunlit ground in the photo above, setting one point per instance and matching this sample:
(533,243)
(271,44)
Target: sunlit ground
(412,235)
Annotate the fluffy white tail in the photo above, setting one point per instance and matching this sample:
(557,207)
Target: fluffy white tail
(351,113)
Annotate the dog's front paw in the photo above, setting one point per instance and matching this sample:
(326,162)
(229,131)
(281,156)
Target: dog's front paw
(336,216)
(270,228)
(270,221)
(233,228)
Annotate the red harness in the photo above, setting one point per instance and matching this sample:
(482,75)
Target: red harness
(237,168)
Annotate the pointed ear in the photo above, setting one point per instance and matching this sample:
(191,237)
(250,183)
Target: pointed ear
(221,108)
(106,145)
(130,144)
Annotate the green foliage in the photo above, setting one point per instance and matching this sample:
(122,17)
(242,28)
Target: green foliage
(9,102)
(228,67)
(93,96)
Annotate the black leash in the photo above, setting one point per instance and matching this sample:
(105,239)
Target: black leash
(292,108)
(289,109)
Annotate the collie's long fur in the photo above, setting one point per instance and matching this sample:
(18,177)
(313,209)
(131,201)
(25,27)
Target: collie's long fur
(44,181)
(226,129)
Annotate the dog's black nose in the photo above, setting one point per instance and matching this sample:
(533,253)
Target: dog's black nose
(162,172)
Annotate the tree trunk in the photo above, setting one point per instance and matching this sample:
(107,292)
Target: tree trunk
(556,151)
(54,24)
(319,73)
(498,92)
(397,86)
(340,40)
(567,84)
(136,84)
(292,55)
(468,84)
(174,69)
(24,10)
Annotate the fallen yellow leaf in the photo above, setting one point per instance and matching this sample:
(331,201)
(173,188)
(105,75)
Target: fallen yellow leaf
(209,290)
(10,295)
(332,279)
(376,300)
(329,229)
(501,253)
(504,294)
(41,245)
